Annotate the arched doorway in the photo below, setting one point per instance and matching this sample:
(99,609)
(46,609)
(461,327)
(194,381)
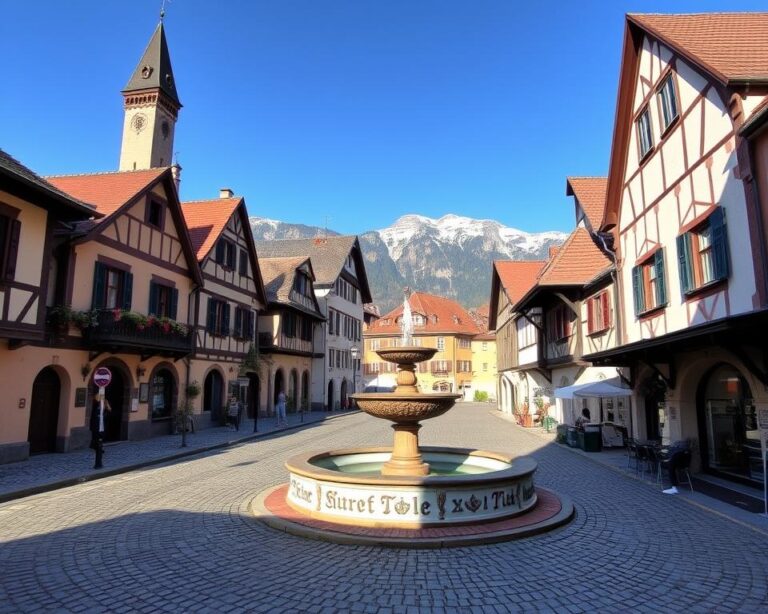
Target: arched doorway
(728,426)
(213,393)
(330,395)
(654,394)
(254,394)
(305,391)
(44,412)
(162,395)
(343,394)
(279,386)
(116,395)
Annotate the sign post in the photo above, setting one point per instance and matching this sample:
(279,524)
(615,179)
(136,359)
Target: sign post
(101,377)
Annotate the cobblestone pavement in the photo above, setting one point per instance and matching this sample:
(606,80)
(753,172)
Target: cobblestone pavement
(45,469)
(178,537)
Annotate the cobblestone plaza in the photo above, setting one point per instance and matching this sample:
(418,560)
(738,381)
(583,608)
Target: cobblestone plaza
(179,537)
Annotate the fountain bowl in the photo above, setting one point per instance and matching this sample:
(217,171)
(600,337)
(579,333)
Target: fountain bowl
(407,354)
(408,408)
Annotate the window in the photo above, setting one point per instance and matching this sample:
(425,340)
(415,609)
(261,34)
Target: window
(559,323)
(244,323)
(703,253)
(465,343)
(418,319)
(441,366)
(225,253)
(485,367)
(163,300)
(162,394)
(338,323)
(155,214)
(217,322)
(526,333)
(644,134)
(10,232)
(243,263)
(440,344)
(331,320)
(648,285)
(375,344)
(668,102)
(112,287)
(598,313)
(485,345)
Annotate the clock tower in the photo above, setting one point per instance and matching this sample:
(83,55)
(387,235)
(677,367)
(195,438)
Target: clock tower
(151,108)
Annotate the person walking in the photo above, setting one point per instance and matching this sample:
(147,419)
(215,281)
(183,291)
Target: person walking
(99,412)
(281,418)
(233,412)
(677,456)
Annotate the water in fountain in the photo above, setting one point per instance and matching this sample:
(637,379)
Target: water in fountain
(406,323)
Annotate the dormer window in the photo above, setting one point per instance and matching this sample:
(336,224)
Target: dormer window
(155,214)
(644,133)
(225,254)
(668,103)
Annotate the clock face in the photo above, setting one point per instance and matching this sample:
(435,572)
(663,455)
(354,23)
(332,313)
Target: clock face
(139,122)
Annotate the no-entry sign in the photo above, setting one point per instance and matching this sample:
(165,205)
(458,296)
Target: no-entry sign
(102,376)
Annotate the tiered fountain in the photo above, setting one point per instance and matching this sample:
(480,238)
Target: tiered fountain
(484,496)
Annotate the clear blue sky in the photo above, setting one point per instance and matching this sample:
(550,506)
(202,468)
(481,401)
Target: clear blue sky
(357,110)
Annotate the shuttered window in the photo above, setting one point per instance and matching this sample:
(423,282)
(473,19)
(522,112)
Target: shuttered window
(217,320)
(598,313)
(702,253)
(243,263)
(163,300)
(559,323)
(112,288)
(648,284)
(244,323)
(644,133)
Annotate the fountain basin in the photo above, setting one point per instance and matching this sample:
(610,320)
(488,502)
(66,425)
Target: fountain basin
(407,408)
(464,487)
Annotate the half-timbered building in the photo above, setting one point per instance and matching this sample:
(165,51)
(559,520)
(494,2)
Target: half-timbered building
(687,222)
(226,306)
(341,286)
(291,334)
(38,390)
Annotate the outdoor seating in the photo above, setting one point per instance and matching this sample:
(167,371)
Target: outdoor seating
(632,454)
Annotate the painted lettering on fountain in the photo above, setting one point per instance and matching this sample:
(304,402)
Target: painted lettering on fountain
(337,502)
(298,491)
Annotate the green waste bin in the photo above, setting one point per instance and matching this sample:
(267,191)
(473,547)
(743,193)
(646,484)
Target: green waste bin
(590,439)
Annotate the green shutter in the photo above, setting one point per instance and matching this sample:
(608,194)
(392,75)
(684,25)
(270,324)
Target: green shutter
(251,324)
(225,319)
(210,322)
(173,308)
(99,281)
(153,293)
(238,322)
(638,290)
(661,288)
(127,290)
(719,243)
(684,262)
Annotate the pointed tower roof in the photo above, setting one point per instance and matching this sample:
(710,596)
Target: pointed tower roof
(154,69)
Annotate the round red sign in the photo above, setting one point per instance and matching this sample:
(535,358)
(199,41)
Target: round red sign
(102,376)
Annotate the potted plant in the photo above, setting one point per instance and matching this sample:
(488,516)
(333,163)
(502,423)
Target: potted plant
(522,414)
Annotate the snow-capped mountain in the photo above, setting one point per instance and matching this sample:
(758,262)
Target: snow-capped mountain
(450,256)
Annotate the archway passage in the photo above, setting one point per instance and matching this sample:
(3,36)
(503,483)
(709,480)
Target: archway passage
(44,412)
(728,426)
(330,395)
(254,394)
(343,394)
(115,396)
(654,409)
(305,391)
(213,393)
(279,386)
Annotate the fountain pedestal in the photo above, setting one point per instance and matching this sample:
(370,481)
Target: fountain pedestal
(406,457)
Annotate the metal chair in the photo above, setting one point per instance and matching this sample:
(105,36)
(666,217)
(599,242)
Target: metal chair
(632,454)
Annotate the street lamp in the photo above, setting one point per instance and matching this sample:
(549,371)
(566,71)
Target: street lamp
(355,351)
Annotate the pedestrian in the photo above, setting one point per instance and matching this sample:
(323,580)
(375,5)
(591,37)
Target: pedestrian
(677,456)
(233,412)
(281,418)
(99,413)
(585,418)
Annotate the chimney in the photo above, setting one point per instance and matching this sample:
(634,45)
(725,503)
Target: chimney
(176,174)
(226,193)
(553,249)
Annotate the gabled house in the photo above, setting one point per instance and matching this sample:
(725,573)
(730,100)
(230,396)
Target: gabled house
(39,391)
(341,287)
(290,333)
(686,216)
(226,306)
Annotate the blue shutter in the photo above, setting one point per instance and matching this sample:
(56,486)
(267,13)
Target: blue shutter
(127,290)
(173,308)
(638,290)
(238,322)
(210,321)
(251,324)
(99,280)
(225,319)
(661,288)
(684,262)
(719,243)
(153,293)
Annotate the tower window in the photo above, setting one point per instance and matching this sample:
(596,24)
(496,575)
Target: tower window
(155,214)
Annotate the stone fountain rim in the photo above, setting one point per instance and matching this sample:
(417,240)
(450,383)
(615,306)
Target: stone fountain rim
(522,466)
(397,397)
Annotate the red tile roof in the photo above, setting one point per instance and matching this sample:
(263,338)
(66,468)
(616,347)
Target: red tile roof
(577,263)
(732,46)
(590,192)
(206,219)
(517,277)
(442,315)
(106,191)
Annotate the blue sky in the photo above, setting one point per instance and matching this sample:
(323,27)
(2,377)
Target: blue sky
(356,110)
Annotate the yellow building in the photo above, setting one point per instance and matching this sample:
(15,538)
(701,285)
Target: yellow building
(483,367)
(437,322)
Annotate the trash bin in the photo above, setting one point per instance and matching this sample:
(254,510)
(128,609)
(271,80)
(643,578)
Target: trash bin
(571,437)
(590,439)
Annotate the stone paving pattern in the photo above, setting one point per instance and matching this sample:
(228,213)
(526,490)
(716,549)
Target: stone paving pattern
(178,537)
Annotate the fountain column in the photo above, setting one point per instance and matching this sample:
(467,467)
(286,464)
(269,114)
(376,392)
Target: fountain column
(406,457)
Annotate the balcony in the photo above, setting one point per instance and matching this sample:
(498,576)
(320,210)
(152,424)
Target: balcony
(131,333)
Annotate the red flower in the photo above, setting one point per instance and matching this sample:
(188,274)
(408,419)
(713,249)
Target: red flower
(116,314)
(139,327)
(166,327)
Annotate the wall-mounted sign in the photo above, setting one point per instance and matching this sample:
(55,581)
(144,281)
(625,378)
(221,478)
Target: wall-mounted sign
(80,396)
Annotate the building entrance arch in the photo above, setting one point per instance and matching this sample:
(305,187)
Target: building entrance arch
(44,412)
(254,394)
(117,395)
(343,394)
(330,396)
(213,393)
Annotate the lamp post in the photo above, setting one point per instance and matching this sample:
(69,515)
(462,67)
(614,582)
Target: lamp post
(355,351)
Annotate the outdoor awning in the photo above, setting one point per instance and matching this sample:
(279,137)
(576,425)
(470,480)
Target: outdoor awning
(602,389)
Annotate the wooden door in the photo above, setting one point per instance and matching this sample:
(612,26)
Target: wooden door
(44,412)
